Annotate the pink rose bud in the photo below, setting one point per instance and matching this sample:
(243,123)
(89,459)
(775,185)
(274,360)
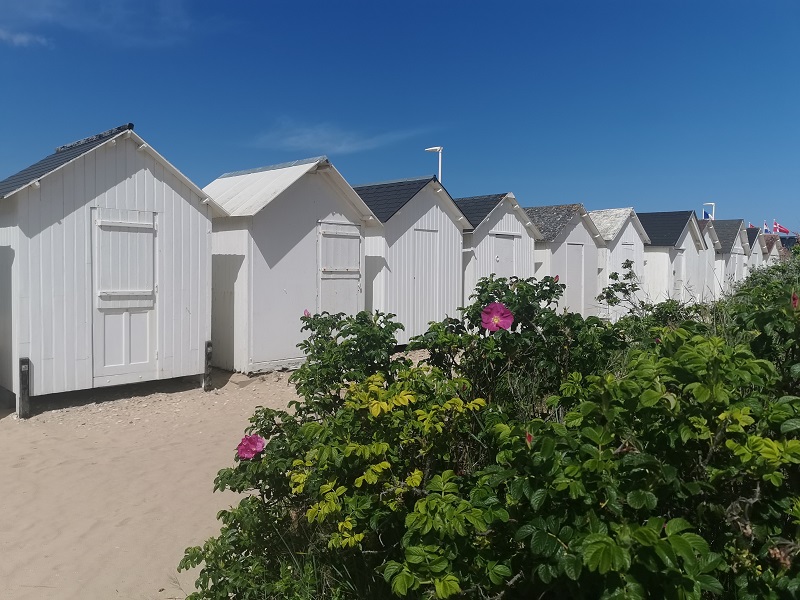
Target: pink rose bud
(555,279)
(795,300)
(528,438)
(306,313)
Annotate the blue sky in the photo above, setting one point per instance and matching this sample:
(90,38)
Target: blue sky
(655,104)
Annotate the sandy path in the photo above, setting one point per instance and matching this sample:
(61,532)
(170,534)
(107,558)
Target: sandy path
(101,493)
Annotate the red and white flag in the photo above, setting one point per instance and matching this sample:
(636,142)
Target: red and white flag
(778,228)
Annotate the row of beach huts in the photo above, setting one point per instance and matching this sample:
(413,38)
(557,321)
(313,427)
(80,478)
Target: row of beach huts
(115,268)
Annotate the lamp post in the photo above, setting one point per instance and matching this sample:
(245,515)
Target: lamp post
(437,149)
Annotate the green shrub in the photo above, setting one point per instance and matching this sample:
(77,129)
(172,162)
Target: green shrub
(670,473)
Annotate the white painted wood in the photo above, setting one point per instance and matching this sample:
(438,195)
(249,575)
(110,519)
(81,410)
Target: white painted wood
(583,282)
(502,244)
(302,250)
(124,318)
(676,272)
(417,267)
(54,289)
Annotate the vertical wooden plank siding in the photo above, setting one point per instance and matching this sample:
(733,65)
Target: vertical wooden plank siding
(423,212)
(56,281)
(502,221)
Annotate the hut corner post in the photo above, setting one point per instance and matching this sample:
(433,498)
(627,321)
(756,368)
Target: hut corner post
(207,372)
(24,397)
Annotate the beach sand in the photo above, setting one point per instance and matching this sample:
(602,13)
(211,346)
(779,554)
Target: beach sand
(102,490)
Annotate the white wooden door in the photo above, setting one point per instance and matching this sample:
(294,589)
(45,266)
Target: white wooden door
(679,275)
(504,255)
(575,281)
(125,288)
(426,299)
(340,268)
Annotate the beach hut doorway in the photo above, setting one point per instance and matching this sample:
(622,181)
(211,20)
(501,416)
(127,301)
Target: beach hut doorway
(124,317)
(575,278)
(340,267)
(504,255)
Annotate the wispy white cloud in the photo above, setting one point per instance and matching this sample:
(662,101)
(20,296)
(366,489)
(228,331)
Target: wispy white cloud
(21,39)
(327,138)
(122,22)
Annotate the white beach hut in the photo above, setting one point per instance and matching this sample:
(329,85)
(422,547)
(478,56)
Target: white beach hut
(673,266)
(711,288)
(774,247)
(732,254)
(105,269)
(758,248)
(501,242)
(571,250)
(293,240)
(414,267)
(625,240)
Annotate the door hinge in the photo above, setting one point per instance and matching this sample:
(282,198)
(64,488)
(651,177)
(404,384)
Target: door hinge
(156,288)
(156,354)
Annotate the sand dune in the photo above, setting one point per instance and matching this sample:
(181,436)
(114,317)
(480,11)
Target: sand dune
(101,491)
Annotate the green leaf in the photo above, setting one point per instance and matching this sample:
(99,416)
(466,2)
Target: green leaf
(446,586)
(538,498)
(697,543)
(710,584)
(794,371)
(415,555)
(682,548)
(525,531)
(402,582)
(650,398)
(543,543)
(602,554)
(645,536)
(677,525)
(498,572)
(640,498)
(572,566)
(790,425)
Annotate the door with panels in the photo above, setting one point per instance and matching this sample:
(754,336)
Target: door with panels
(340,268)
(125,290)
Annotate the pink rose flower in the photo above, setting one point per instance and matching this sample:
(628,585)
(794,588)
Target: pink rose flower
(306,313)
(795,300)
(249,446)
(496,316)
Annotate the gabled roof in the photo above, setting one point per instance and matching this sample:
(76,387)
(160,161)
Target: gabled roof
(610,222)
(728,231)
(707,226)
(387,197)
(752,234)
(665,228)
(755,235)
(772,239)
(552,220)
(245,193)
(477,208)
(70,152)
(59,158)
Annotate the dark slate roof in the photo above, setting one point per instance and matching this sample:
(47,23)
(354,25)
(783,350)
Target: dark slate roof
(385,199)
(60,157)
(752,235)
(665,228)
(727,232)
(551,220)
(477,208)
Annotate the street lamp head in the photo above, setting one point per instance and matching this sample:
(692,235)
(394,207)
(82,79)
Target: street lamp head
(434,149)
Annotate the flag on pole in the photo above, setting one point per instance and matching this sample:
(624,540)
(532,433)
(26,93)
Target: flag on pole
(706,216)
(778,228)
(750,225)
(766,228)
